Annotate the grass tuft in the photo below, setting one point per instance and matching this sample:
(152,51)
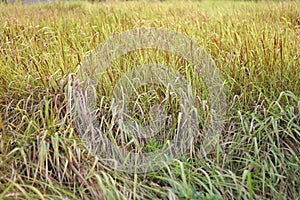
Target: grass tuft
(256,47)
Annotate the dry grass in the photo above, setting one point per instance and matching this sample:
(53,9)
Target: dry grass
(255,45)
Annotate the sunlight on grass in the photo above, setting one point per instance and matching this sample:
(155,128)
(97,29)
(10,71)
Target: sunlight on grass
(256,47)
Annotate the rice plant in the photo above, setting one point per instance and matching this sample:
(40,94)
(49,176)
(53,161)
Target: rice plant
(255,45)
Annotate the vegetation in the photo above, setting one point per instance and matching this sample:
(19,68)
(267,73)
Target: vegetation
(256,47)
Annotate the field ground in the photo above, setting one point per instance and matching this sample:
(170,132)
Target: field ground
(254,44)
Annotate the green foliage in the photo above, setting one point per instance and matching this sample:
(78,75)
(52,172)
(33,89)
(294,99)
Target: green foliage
(255,45)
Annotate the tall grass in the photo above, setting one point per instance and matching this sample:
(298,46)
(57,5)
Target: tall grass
(256,47)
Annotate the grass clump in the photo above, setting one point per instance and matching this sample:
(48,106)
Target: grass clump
(256,47)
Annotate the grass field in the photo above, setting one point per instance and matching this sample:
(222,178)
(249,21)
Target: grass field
(256,47)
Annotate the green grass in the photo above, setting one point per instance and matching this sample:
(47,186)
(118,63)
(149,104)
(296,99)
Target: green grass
(255,46)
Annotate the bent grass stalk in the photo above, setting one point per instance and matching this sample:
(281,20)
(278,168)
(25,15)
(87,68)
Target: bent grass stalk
(256,47)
